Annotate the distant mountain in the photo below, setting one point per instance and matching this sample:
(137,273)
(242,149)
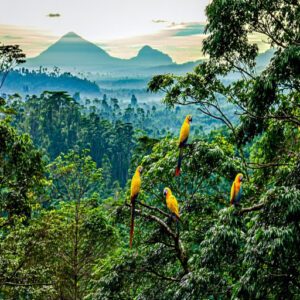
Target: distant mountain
(75,54)
(72,52)
(148,56)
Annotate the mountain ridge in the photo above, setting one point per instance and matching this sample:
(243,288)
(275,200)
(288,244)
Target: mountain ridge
(71,53)
(73,50)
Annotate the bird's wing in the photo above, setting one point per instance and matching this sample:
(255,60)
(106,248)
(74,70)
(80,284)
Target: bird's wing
(174,206)
(239,195)
(184,133)
(232,193)
(135,186)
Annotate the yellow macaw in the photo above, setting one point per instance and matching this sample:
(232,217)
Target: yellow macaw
(134,192)
(236,190)
(183,137)
(172,203)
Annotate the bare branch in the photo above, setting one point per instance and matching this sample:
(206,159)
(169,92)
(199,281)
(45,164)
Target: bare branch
(159,221)
(162,276)
(252,208)
(154,208)
(178,247)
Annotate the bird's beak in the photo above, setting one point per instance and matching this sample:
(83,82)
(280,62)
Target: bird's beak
(165,193)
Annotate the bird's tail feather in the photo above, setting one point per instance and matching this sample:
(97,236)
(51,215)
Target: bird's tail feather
(176,219)
(177,171)
(132,222)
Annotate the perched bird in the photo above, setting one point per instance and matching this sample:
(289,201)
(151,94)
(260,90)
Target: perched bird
(134,192)
(172,203)
(183,137)
(236,190)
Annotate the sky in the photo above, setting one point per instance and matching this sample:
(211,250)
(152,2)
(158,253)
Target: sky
(121,27)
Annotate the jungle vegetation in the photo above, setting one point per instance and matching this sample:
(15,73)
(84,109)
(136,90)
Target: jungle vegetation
(64,198)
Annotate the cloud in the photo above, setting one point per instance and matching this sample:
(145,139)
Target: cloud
(182,41)
(190,29)
(181,47)
(31,41)
(53,15)
(159,21)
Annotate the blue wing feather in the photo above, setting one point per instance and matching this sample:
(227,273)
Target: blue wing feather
(238,196)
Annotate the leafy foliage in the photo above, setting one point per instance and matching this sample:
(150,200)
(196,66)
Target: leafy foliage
(21,173)
(74,243)
(10,56)
(57,124)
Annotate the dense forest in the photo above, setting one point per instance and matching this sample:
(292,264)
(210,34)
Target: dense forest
(66,167)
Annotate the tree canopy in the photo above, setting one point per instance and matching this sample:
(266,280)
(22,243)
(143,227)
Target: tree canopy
(65,209)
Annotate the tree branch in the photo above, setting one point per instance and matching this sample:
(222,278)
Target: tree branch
(163,276)
(267,165)
(178,247)
(157,220)
(25,284)
(154,208)
(252,208)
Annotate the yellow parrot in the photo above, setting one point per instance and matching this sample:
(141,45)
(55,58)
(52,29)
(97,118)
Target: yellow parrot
(134,192)
(172,203)
(236,190)
(183,137)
